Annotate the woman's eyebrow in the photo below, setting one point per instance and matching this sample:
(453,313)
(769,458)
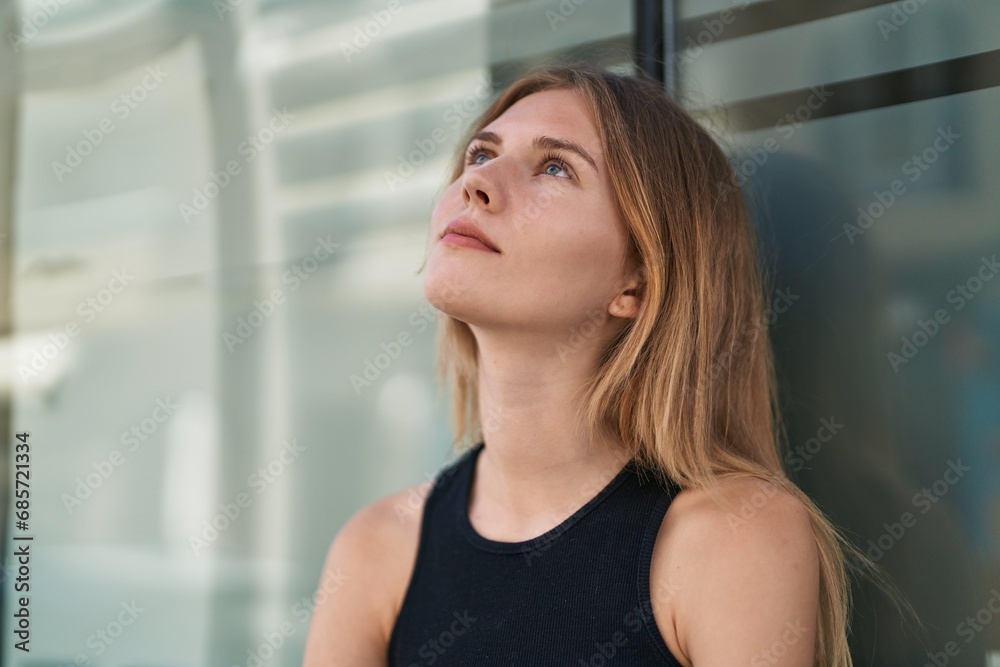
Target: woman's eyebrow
(542,142)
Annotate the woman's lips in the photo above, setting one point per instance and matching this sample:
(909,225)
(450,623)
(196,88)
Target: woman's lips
(452,238)
(467,228)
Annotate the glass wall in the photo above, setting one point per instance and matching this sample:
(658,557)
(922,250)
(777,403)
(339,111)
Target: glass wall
(865,135)
(213,214)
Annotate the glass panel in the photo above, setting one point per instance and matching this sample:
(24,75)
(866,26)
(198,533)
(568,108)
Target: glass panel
(880,229)
(228,201)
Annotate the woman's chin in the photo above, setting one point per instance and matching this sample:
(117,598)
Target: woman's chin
(445,290)
(455,304)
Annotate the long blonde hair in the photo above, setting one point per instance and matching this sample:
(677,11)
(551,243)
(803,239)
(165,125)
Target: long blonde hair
(688,385)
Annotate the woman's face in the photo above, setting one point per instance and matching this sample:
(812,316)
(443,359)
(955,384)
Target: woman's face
(548,210)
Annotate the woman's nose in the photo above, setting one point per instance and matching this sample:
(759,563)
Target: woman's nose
(476,192)
(484,184)
(475,187)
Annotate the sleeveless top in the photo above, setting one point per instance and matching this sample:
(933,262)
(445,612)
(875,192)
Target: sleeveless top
(577,595)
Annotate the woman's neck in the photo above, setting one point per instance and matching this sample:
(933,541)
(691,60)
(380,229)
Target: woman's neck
(540,464)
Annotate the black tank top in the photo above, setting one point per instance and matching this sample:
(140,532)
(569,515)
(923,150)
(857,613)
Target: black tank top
(576,596)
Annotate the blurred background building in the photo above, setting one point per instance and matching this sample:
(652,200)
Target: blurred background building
(212,211)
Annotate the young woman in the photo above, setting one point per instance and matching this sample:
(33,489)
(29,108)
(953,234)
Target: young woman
(604,328)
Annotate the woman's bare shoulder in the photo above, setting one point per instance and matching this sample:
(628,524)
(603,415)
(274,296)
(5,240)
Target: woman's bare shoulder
(390,519)
(366,573)
(381,540)
(729,581)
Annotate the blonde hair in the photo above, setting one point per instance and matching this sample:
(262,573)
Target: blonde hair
(689,385)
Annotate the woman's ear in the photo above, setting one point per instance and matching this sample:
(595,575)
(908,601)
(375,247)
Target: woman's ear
(629,299)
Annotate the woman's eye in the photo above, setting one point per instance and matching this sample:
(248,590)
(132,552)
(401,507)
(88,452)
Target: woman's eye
(558,164)
(473,155)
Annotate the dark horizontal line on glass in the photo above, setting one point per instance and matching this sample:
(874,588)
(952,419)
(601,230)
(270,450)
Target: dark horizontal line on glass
(754,18)
(606,52)
(923,82)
